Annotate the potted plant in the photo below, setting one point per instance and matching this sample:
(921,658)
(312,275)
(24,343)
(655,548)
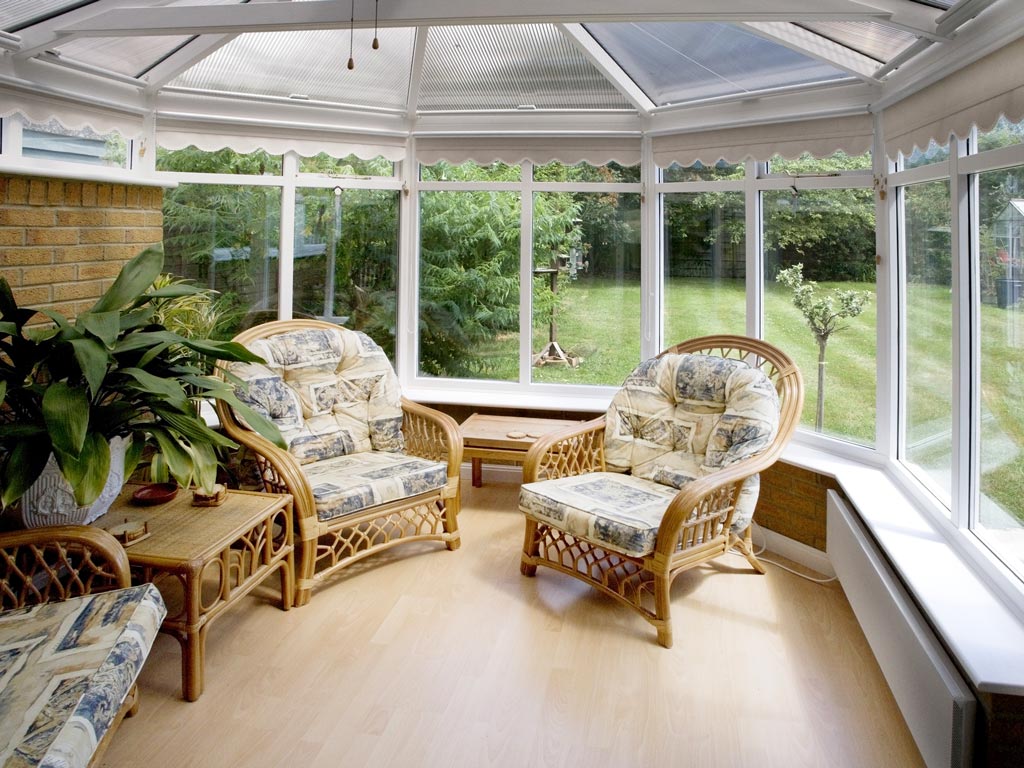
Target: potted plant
(115,376)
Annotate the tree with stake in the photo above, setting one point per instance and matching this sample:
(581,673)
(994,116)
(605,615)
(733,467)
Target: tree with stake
(824,315)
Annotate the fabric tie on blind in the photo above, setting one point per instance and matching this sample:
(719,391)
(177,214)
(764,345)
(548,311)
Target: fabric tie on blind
(178,134)
(70,112)
(539,150)
(979,94)
(820,137)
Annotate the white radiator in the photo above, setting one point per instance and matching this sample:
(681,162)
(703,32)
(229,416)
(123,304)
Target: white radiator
(936,703)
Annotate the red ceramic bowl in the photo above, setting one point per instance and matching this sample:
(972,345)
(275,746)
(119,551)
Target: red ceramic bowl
(155,493)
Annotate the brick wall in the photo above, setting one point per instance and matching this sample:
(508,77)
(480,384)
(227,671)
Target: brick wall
(63,242)
(792,503)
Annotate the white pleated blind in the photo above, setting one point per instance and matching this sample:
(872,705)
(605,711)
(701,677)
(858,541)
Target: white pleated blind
(71,113)
(178,134)
(512,150)
(979,94)
(821,137)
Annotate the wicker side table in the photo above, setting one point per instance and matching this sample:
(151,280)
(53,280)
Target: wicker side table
(205,559)
(502,438)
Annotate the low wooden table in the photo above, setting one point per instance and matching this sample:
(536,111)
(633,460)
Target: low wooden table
(204,559)
(487,437)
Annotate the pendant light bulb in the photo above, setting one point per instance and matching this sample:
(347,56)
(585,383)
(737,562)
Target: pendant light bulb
(376,44)
(351,63)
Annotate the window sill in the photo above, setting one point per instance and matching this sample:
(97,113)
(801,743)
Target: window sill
(979,628)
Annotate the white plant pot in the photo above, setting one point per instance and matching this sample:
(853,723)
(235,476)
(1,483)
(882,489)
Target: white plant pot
(50,500)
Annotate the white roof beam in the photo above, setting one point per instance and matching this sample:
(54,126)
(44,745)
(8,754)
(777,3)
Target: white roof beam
(43,36)
(814,45)
(911,17)
(335,14)
(607,66)
(161,73)
(412,101)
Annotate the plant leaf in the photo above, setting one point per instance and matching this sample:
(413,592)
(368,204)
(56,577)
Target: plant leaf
(66,413)
(193,429)
(170,390)
(134,279)
(87,473)
(205,462)
(104,325)
(93,359)
(133,455)
(179,460)
(22,467)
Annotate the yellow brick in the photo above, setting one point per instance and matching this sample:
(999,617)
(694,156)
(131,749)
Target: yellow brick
(24,257)
(11,236)
(80,217)
(97,270)
(37,192)
(51,236)
(133,197)
(154,219)
(55,193)
(73,193)
(47,275)
(88,194)
(12,276)
(26,217)
(103,195)
(119,252)
(144,235)
(125,218)
(78,254)
(102,235)
(32,297)
(118,194)
(17,191)
(67,308)
(78,291)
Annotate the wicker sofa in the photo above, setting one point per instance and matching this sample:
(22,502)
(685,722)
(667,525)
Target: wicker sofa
(368,469)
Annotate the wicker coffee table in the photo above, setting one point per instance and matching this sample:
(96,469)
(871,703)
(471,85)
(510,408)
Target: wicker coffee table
(502,438)
(204,559)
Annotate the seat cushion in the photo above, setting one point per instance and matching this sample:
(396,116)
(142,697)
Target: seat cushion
(331,392)
(347,484)
(621,512)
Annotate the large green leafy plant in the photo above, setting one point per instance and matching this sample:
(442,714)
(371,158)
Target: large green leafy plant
(67,388)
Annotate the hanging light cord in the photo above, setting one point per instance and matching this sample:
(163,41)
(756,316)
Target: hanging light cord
(351,36)
(376,43)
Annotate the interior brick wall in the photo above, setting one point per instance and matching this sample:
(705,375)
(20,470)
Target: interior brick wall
(63,242)
(792,503)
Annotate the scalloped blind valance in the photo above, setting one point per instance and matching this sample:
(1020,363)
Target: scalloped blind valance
(539,150)
(178,134)
(72,113)
(821,137)
(979,94)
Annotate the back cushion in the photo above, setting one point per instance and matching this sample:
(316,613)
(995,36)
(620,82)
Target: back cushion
(331,392)
(679,416)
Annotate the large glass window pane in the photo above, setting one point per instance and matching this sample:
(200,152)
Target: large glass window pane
(705,265)
(928,363)
(470,172)
(610,173)
(934,153)
(586,287)
(720,171)
(809,164)
(346,259)
(819,254)
(192,160)
(1003,134)
(469,285)
(226,237)
(351,165)
(1001,220)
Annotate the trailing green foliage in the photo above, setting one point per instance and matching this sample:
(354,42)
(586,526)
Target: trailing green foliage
(116,371)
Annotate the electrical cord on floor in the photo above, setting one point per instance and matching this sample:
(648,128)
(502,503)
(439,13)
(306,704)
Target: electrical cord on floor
(764,545)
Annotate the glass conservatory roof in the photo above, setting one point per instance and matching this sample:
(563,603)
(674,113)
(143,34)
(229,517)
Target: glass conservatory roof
(503,58)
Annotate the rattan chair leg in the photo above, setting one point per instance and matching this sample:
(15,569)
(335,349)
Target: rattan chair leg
(531,548)
(662,610)
(746,548)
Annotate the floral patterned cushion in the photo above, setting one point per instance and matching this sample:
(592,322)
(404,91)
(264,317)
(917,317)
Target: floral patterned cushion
(347,484)
(331,392)
(620,511)
(680,417)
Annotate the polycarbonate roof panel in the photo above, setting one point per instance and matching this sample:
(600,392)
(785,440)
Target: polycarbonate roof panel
(132,56)
(510,67)
(879,41)
(16,14)
(679,62)
(310,63)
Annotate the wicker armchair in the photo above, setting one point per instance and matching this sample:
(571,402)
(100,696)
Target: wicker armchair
(618,504)
(352,416)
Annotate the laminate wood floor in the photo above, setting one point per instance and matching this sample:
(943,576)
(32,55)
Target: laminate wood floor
(424,657)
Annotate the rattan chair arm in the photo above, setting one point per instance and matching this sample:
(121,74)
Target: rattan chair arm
(34,561)
(283,464)
(572,451)
(433,435)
